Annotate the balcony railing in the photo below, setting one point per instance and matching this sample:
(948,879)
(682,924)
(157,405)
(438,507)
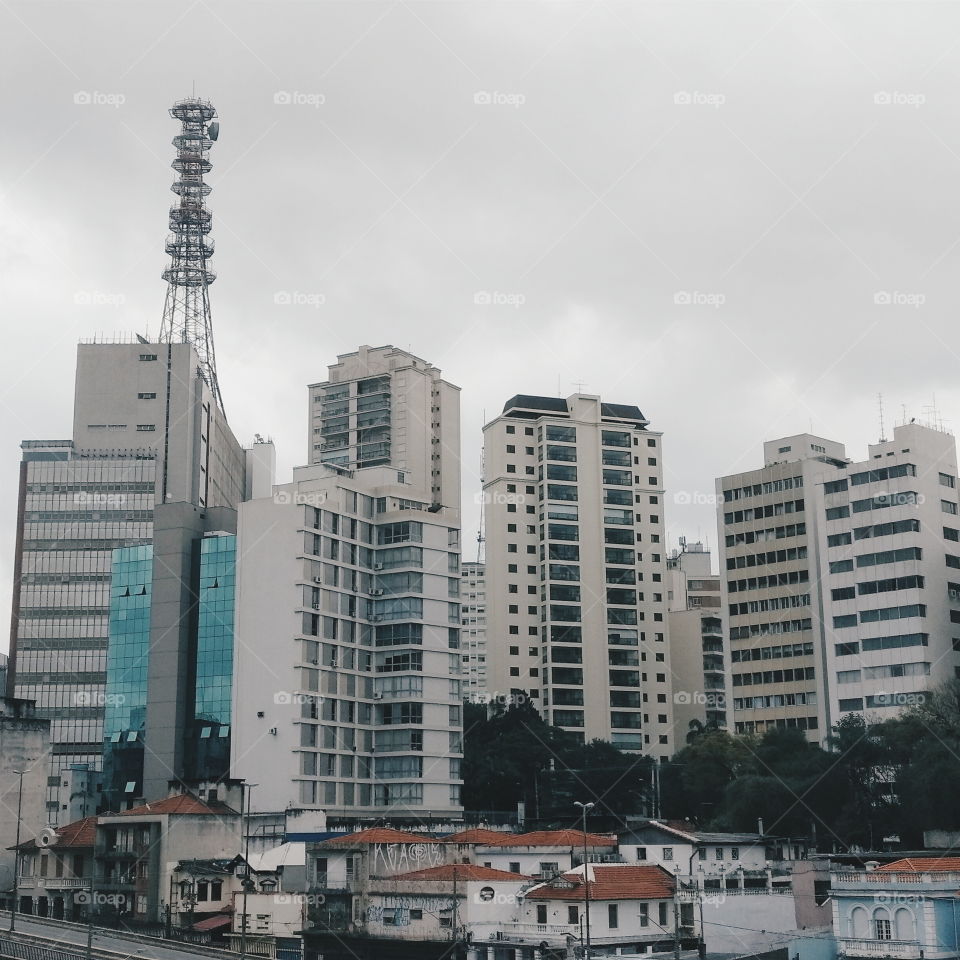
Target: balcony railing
(877,878)
(896,949)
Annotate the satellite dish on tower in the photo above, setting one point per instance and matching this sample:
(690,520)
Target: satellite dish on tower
(48,837)
(213,130)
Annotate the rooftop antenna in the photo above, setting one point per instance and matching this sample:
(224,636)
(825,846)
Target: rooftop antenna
(579,385)
(883,436)
(186,309)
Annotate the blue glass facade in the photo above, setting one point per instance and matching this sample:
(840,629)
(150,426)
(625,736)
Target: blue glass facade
(128,650)
(209,751)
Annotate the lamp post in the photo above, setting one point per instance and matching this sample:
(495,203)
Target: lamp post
(584,808)
(16,856)
(247,790)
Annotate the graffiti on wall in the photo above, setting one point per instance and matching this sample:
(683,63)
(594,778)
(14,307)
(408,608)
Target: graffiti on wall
(389,858)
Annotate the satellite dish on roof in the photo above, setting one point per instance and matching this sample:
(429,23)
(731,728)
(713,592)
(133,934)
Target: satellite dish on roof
(48,837)
(213,130)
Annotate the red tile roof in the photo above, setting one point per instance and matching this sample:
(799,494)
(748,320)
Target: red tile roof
(376,835)
(922,865)
(464,872)
(80,833)
(475,835)
(551,838)
(214,922)
(611,882)
(183,803)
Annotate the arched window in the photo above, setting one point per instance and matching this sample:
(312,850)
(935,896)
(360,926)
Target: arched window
(882,927)
(859,923)
(905,924)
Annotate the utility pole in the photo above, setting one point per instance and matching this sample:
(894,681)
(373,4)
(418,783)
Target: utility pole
(247,790)
(16,856)
(456,917)
(676,918)
(584,807)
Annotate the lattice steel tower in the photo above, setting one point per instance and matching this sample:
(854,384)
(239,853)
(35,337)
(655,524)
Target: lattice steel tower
(186,310)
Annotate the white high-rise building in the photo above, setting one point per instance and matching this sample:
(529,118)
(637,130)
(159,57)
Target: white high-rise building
(382,406)
(473,633)
(347,686)
(891,550)
(575,564)
(838,579)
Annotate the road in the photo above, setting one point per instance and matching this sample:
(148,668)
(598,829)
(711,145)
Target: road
(127,945)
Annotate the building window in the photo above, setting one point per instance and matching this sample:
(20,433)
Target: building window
(668,853)
(612,918)
(882,929)
(573,914)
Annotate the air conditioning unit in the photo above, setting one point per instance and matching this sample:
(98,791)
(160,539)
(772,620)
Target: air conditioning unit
(318,579)
(378,592)
(334,664)
(315,662)
(316,606)
(378,566)
(377,695)
(375,619)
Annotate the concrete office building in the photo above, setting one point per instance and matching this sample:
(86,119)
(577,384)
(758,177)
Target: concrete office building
(863,559)
(698,653)
(891,550)
(770,566)
(575,568)
(146,432)
(382,406)
(473,632)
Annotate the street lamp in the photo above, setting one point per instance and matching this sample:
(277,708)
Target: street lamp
(584,808)
(16,855)
(247,790)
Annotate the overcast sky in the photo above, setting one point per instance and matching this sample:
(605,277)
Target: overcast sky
(743,217)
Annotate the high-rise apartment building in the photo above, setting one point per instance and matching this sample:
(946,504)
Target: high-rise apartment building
(773,593)
(575,568)
(382,406)
(473,632)
(698,655)
(348,695)
(839,581)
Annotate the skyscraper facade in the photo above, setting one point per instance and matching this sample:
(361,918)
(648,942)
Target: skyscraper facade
(473,634)
(575,564)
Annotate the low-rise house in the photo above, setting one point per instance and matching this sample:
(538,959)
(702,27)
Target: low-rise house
(139,853)
(54,878)
(684,848)
(905,910)
(545,853)
(631,907)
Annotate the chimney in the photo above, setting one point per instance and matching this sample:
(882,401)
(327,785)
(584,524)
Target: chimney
(760,825)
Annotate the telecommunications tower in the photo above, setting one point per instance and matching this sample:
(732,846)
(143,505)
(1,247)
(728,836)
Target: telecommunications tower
(186,310)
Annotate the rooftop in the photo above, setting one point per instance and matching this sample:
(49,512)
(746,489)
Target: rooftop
(551,838)
(608,882)
(181,803)
(462,872)
(371,835)
(922,865)
(80,833)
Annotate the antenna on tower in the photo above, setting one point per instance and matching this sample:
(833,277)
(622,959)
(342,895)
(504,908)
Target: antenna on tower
(186,309)
(883,436)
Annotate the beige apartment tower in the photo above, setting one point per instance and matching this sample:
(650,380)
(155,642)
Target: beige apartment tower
(575,565)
